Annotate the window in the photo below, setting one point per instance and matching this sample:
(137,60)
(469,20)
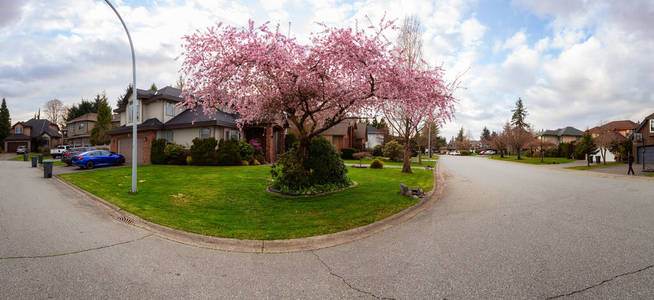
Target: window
(651,126)
(205,133)
(170,109)
(233,134)
(19,130)
(168,135)
(80,126)
(129,113)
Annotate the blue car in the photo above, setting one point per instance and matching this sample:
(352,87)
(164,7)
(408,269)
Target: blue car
(95,158)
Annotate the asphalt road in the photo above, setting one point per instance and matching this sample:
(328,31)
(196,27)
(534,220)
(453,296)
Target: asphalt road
(501,230)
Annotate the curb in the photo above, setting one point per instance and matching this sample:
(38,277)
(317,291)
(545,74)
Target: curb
(269,246)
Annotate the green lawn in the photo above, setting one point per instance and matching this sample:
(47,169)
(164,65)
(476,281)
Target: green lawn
(534,160)
(650,175)
(597,166)
(232,201)
(414,162)
(45,157)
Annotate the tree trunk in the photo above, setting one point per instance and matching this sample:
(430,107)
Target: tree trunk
(518,151)
(501,153)
(603,152)
(303,150)
(419,155)
(406,165)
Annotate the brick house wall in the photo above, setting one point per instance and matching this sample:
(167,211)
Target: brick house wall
(648,137)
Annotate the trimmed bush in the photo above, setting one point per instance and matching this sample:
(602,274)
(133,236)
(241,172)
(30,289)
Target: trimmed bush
(393,150)
(465,153)
(175,154)
(290,141)
(288,174)
(377,164)
(325,165)
(157,155)
(203,152)
(378,150)
(229,153)
(346,153)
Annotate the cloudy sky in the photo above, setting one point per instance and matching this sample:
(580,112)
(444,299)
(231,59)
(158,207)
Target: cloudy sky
(574,63)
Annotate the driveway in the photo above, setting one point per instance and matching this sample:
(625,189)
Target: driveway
(501,230)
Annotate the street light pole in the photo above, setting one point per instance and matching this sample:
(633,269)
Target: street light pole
(134,103)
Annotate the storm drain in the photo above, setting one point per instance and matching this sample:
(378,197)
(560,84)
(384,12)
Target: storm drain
(125,220)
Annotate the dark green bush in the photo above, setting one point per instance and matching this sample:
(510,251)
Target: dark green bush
(229,153)
(378,150)
(288,174)
(247,151)
(157,155)
(203,152)
(324,163)
(346,153)
(465,153)
(175,154)
(291,141)
(393,150)
(377,164)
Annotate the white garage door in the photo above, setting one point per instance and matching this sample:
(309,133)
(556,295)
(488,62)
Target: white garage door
(125,148)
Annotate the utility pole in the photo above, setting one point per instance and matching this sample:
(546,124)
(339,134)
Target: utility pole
(135,105)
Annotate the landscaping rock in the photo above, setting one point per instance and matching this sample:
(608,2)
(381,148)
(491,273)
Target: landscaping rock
(418,192)
(404,190)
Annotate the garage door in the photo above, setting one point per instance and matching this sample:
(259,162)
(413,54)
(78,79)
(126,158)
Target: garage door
(649,155)
(12,146)
(125,148)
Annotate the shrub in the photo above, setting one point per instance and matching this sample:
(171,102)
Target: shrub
(346,153)
(378,150)
(175,154)
(377,164)
(189,160)
(465,153)
(157,155)
(291,141)
(288,174)
(229,153)
(393,150)
(324,163)
(246,150)
(203,151)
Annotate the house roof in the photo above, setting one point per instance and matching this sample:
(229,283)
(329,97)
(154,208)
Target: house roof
(167,93)
(140,94)
(613,136)
(338,129)
(85,117)
(198,117)
(18,137)
(39,127)
(567,131)
(149,124)
(372,130)
(614,126)
(642,124)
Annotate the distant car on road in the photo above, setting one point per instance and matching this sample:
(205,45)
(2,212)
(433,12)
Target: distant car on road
(454,153)
(490,152)
(96,158)
(67,157)
(21,150)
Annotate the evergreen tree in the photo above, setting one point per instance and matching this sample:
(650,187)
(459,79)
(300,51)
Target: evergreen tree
(103,123)
(82,108)
(460,136)
(586,147)
(519,115)
(5,122)
(485,134)
(153,87)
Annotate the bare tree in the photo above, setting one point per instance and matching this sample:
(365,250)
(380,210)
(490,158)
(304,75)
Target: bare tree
(56,112)
(606,140)
(518,137)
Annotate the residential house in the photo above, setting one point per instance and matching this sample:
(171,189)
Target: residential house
(616,131)
(349,133)
(163,117)
(644,141)
(624,127)
(561,135)
(32,134)
(78,130)
(374,137)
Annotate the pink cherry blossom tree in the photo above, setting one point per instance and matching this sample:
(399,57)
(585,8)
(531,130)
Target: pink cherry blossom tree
(264,75)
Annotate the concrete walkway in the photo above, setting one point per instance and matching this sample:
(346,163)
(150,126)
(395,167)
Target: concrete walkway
(501,230)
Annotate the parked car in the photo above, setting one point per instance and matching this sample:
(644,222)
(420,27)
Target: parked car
(490,152)
(59,151)
(67,157)
(454,153)
(96,158)
(21,149)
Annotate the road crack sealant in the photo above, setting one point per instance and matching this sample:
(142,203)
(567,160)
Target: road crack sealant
(600,283)
(329,269)
(78,251)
